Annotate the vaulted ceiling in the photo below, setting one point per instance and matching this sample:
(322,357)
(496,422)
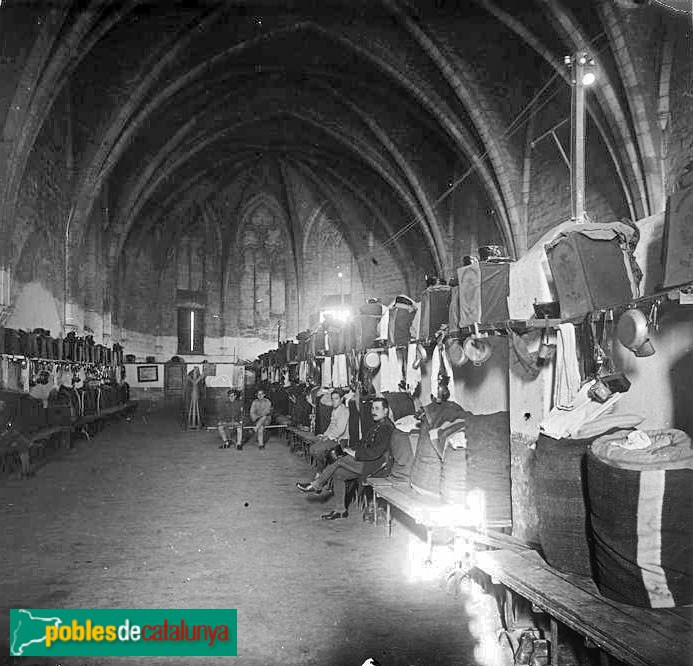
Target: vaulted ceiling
(387,102)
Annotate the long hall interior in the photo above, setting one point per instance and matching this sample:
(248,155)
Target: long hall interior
(369,319)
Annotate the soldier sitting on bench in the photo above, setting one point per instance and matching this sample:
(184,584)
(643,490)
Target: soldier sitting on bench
(261,416)
(232,419)
(337,433)
(368,457)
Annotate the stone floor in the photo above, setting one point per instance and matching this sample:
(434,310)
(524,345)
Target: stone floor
(147,515)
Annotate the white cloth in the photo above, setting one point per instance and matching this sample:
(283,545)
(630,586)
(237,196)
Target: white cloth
(339,370)
(326,371)
(413,376)
(435,370)
(637,440)
(567,378)
(407,423)
(395,369)
(389,371)
(454,393)
(384,325)
(415,322)
(562,423)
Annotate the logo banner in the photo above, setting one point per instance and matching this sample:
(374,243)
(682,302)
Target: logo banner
(40,632)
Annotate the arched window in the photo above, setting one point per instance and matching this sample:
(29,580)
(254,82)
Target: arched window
(190,295)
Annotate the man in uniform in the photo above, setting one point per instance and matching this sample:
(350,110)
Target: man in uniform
(369,456)
(232,420)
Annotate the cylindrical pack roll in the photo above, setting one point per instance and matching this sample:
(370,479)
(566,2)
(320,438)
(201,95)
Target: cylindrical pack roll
(640,505)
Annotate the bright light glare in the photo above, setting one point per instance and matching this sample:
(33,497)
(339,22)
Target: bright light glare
(484,625)
(588,78)
(340,314)
(470,514)
(417,567)
(480,609)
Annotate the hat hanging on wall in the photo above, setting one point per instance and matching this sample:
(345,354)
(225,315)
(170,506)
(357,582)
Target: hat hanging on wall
(478,351)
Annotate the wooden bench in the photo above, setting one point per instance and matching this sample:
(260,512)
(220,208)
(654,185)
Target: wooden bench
(636,636)
(300,440)
(429,512)
(240,428)
(16,453)
(91,423)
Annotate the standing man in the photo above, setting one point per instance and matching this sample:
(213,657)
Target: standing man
(261,416)
(232,420)
(337,432)
(368,457)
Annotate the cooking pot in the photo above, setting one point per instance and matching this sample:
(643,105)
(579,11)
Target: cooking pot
(477,350)
(372,360)
(456,352)
(632,329)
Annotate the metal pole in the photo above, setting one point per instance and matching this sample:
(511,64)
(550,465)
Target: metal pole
(577,148)
(340,276)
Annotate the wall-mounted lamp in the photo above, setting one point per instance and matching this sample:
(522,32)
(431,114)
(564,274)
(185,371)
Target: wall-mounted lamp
(583,68)
(588,78)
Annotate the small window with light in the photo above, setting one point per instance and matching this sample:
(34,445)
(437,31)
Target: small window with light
(191,331)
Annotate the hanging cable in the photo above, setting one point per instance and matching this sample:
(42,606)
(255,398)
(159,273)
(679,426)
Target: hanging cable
(518,122)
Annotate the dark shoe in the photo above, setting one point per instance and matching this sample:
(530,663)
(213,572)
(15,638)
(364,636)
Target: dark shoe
(239,447)
(334,515)
(261,446)
(308,488)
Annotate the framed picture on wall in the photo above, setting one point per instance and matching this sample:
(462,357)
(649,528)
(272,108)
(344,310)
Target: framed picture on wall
(147,373)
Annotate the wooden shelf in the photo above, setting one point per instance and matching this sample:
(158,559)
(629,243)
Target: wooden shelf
(517,325)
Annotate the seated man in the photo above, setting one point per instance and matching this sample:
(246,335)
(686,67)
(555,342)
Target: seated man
(261,416)
(231,420)
(337,432)
(367,458)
